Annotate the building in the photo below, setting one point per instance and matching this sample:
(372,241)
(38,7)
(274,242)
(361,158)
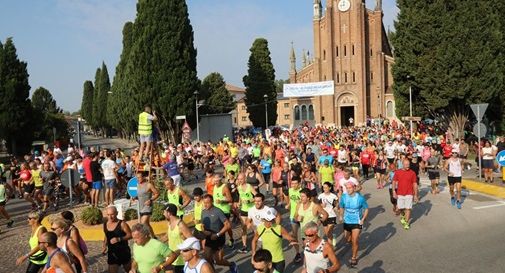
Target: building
(241,119)
(351,48)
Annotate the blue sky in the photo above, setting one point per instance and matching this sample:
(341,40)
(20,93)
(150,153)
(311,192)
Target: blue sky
(64,41)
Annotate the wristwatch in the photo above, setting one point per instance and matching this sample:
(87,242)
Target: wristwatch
(218,235)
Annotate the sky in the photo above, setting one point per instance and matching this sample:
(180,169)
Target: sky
(65,41)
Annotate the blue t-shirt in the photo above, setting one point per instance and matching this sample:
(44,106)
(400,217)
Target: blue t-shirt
(171,168)
(353,207)
(266,166)
(59,164)
(324,157)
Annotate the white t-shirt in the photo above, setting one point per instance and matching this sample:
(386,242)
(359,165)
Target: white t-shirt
(108,169)
(342,156)
(255,214)
(390,151)
(344,181)
(327,201)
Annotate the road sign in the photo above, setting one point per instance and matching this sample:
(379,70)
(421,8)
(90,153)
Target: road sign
(131,188)
(479,133)
(180,117)
(411,118)
(500,157)
(479,110)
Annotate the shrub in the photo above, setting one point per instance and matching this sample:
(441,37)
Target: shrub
(158,212)
(130,214)
(91,216)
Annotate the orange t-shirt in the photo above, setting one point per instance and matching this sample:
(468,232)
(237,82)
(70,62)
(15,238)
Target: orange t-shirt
(209,185)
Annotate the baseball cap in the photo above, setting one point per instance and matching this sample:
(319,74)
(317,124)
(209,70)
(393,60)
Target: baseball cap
(454,151)
(269,214)
(190,243)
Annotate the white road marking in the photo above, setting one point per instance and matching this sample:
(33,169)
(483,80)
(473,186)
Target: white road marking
(500,204)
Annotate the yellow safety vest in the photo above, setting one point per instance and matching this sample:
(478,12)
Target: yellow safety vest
(145,125)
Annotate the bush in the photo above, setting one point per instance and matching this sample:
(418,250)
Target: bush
(158,212)
(130,214)
(91,216)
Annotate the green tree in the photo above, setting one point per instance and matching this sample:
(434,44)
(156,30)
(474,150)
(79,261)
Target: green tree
(102,89)
(160,64)
(218,98)
(450,53)
(43,101)
(259,81)
(87,102)
(279,85)
(15,107)
(48,116)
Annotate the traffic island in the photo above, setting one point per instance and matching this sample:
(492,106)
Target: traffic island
(486,188)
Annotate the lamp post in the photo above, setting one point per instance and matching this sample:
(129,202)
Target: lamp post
(266,110)
(79,133)
(197,125)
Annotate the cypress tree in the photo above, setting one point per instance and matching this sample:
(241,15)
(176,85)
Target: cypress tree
(87,101)
(218,98)
(94,122)
(15,107)
(260,81)
(47,116)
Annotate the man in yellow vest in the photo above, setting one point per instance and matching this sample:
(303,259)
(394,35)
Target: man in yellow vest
(146,131)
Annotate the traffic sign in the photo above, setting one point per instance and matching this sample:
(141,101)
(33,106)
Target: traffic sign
(180,117)
(479,110)
(500,157)
(479,133)
(70,177)
(411,118)
(131,188)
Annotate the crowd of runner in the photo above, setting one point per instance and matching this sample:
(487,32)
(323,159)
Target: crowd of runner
(314,175)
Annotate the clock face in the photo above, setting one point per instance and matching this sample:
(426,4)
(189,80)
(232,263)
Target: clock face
(344,5)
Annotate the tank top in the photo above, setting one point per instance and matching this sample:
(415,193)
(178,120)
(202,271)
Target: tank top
(455,167)
(2,193)
(143,195)
(119,247)
(307,179)
(307,215)
(34,241)
(285,177)
(198,215)
(252,180)
(315,260)
(37,180)
(174,198)
(218,195)
(294,198)
(246,198)
(48,266)
(174,240)
(272,241)
(196,269)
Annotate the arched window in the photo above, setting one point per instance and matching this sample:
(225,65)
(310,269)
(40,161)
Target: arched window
(297,112)
(389,109)
(304,112)
(311,112)
(338,78)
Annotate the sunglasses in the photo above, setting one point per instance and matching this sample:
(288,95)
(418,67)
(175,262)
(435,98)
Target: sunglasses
(310,235)
(186,250)
(54,228)
(31,218)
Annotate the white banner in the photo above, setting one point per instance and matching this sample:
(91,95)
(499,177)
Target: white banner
(309,89)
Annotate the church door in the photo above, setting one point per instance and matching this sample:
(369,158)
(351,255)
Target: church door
(347,116)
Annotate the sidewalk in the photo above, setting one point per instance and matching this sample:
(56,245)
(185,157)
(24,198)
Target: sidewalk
(471,182)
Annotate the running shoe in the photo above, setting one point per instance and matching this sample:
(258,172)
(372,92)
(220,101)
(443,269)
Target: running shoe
(298,258)
(354,262)
(406,226)
(243,250)
(10,223)
(453,201)
(403,221)
(458,204)
(233,268)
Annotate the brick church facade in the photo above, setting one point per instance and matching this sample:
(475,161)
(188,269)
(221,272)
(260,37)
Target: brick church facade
(351,48)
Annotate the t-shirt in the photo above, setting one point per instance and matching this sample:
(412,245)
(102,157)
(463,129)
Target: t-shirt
(325,157)
(150,255)
(266,166)
(96,175)
(108,169)
(86,164)
(327,201)
(326,173)
(171,168)
(213,219)
(353,207)
(406,180)
(233,167)
(255,214)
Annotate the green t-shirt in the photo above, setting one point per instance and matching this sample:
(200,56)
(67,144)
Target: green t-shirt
(294,199)
(233,167)
(150,255)
(326,174)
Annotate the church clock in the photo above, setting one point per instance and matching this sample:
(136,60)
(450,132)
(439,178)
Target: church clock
(344,5)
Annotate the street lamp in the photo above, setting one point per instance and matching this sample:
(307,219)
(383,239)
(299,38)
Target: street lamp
(266,110)
(197,105)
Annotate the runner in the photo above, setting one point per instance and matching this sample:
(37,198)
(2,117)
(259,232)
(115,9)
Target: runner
(266,170)
(272,234)
(115,242)
(176,234)
(308,211)
(223,200)
(177,196)
(277,181)
(405,183)
(253,177)
(432,166)
(246,203)
(192,262)
(37,257)
(147,194)
(149,254)
(354,209)
(49,180)
(57,261)
(68,246)
(319,256)
(329,202)
(262,262)
(215,225)
(454,167)
(4,198)
(294,196)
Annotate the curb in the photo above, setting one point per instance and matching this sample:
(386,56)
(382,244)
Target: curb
(485,188)
(95,233)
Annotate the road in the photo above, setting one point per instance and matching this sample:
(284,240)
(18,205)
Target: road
(441,239)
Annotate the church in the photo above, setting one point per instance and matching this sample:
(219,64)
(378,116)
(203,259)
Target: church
(351,48)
